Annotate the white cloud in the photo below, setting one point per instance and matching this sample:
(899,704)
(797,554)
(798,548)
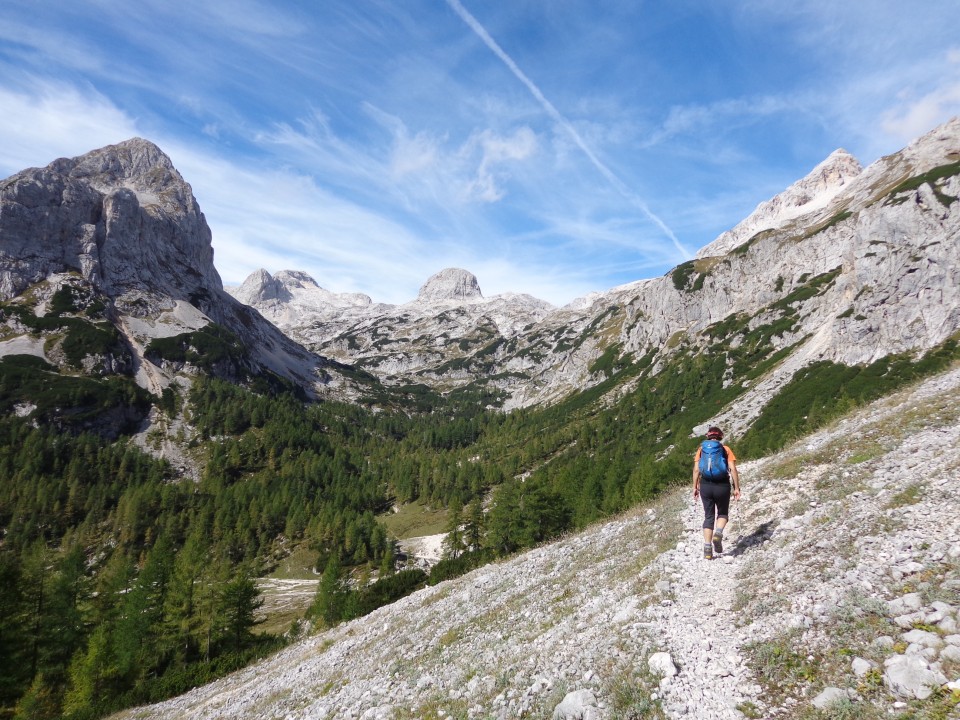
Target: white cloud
(914,116)
(548,107)
(56,120)
(703,119)
(496,151)
(262,217)
(413,155)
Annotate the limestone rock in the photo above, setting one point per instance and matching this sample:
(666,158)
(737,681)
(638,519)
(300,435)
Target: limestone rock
(812,193)
(450,284)
(662,665)
(124,221)
(910,676)
(829,696)
(861,667)
(881,242)
(577,705)
(122,216)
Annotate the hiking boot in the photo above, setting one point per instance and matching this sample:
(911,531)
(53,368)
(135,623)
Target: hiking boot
(707,551)
(718,544)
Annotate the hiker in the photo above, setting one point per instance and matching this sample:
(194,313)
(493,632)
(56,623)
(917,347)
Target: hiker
(714,466)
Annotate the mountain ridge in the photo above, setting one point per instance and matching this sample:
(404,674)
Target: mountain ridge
(891,246)
(106,350)
(123,222)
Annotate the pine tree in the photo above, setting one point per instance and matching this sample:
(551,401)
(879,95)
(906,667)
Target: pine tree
(330,600)
(473,529)
(239,603)
(453,544)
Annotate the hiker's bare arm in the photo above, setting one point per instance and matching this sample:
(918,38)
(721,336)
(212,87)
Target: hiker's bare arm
(696,479)
(735,474)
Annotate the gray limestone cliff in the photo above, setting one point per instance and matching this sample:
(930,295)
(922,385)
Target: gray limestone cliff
(122,216)
(121,223)
(450,284)
(806,196)
(848,265)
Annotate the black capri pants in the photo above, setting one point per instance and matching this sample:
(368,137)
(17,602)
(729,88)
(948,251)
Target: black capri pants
(716,501)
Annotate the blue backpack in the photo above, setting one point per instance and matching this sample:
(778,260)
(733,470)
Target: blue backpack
(713,462)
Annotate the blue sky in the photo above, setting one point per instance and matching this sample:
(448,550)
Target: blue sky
(554,147)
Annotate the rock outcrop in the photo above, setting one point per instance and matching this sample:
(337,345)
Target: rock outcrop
(122,216)
(450,284)
(121,224)
(809,195)
(449,320)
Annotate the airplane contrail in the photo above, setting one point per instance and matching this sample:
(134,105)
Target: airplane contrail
(552,111)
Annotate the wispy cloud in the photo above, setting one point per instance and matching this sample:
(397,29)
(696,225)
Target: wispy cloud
(915,115)
(495,152)
(557,117)
(373,143)
(702,120)
(54,120)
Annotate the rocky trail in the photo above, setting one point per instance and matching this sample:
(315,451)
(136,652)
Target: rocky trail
(702,664)
(837,597)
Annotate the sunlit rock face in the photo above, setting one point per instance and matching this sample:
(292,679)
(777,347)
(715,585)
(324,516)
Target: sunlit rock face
(122,216)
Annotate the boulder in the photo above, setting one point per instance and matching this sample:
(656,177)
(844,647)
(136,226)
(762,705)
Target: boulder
(829,696)
(911,677)
(577,705)
(662,665)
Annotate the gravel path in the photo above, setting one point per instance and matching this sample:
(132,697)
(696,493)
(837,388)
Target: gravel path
(699,629)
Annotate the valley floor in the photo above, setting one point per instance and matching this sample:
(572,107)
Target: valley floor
(837,597)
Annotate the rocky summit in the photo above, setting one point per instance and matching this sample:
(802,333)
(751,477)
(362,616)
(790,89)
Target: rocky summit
(450,284)
(808,195)
(120,231)
(121,216)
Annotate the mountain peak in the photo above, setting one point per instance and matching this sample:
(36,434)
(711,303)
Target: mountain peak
(260,285)
(809,194)
(297,279)
(121,215)
(450,284)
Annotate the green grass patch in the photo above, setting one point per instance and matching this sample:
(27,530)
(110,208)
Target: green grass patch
(838,218)
(933,177)
(207,348)
(910,495)
(112,405)
(745,247)
(298,565)
(826,390)
(609,361)
(415,520)
(810,287)
(681,275)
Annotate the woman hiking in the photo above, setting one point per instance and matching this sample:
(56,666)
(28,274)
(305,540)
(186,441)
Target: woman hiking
(714,466)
